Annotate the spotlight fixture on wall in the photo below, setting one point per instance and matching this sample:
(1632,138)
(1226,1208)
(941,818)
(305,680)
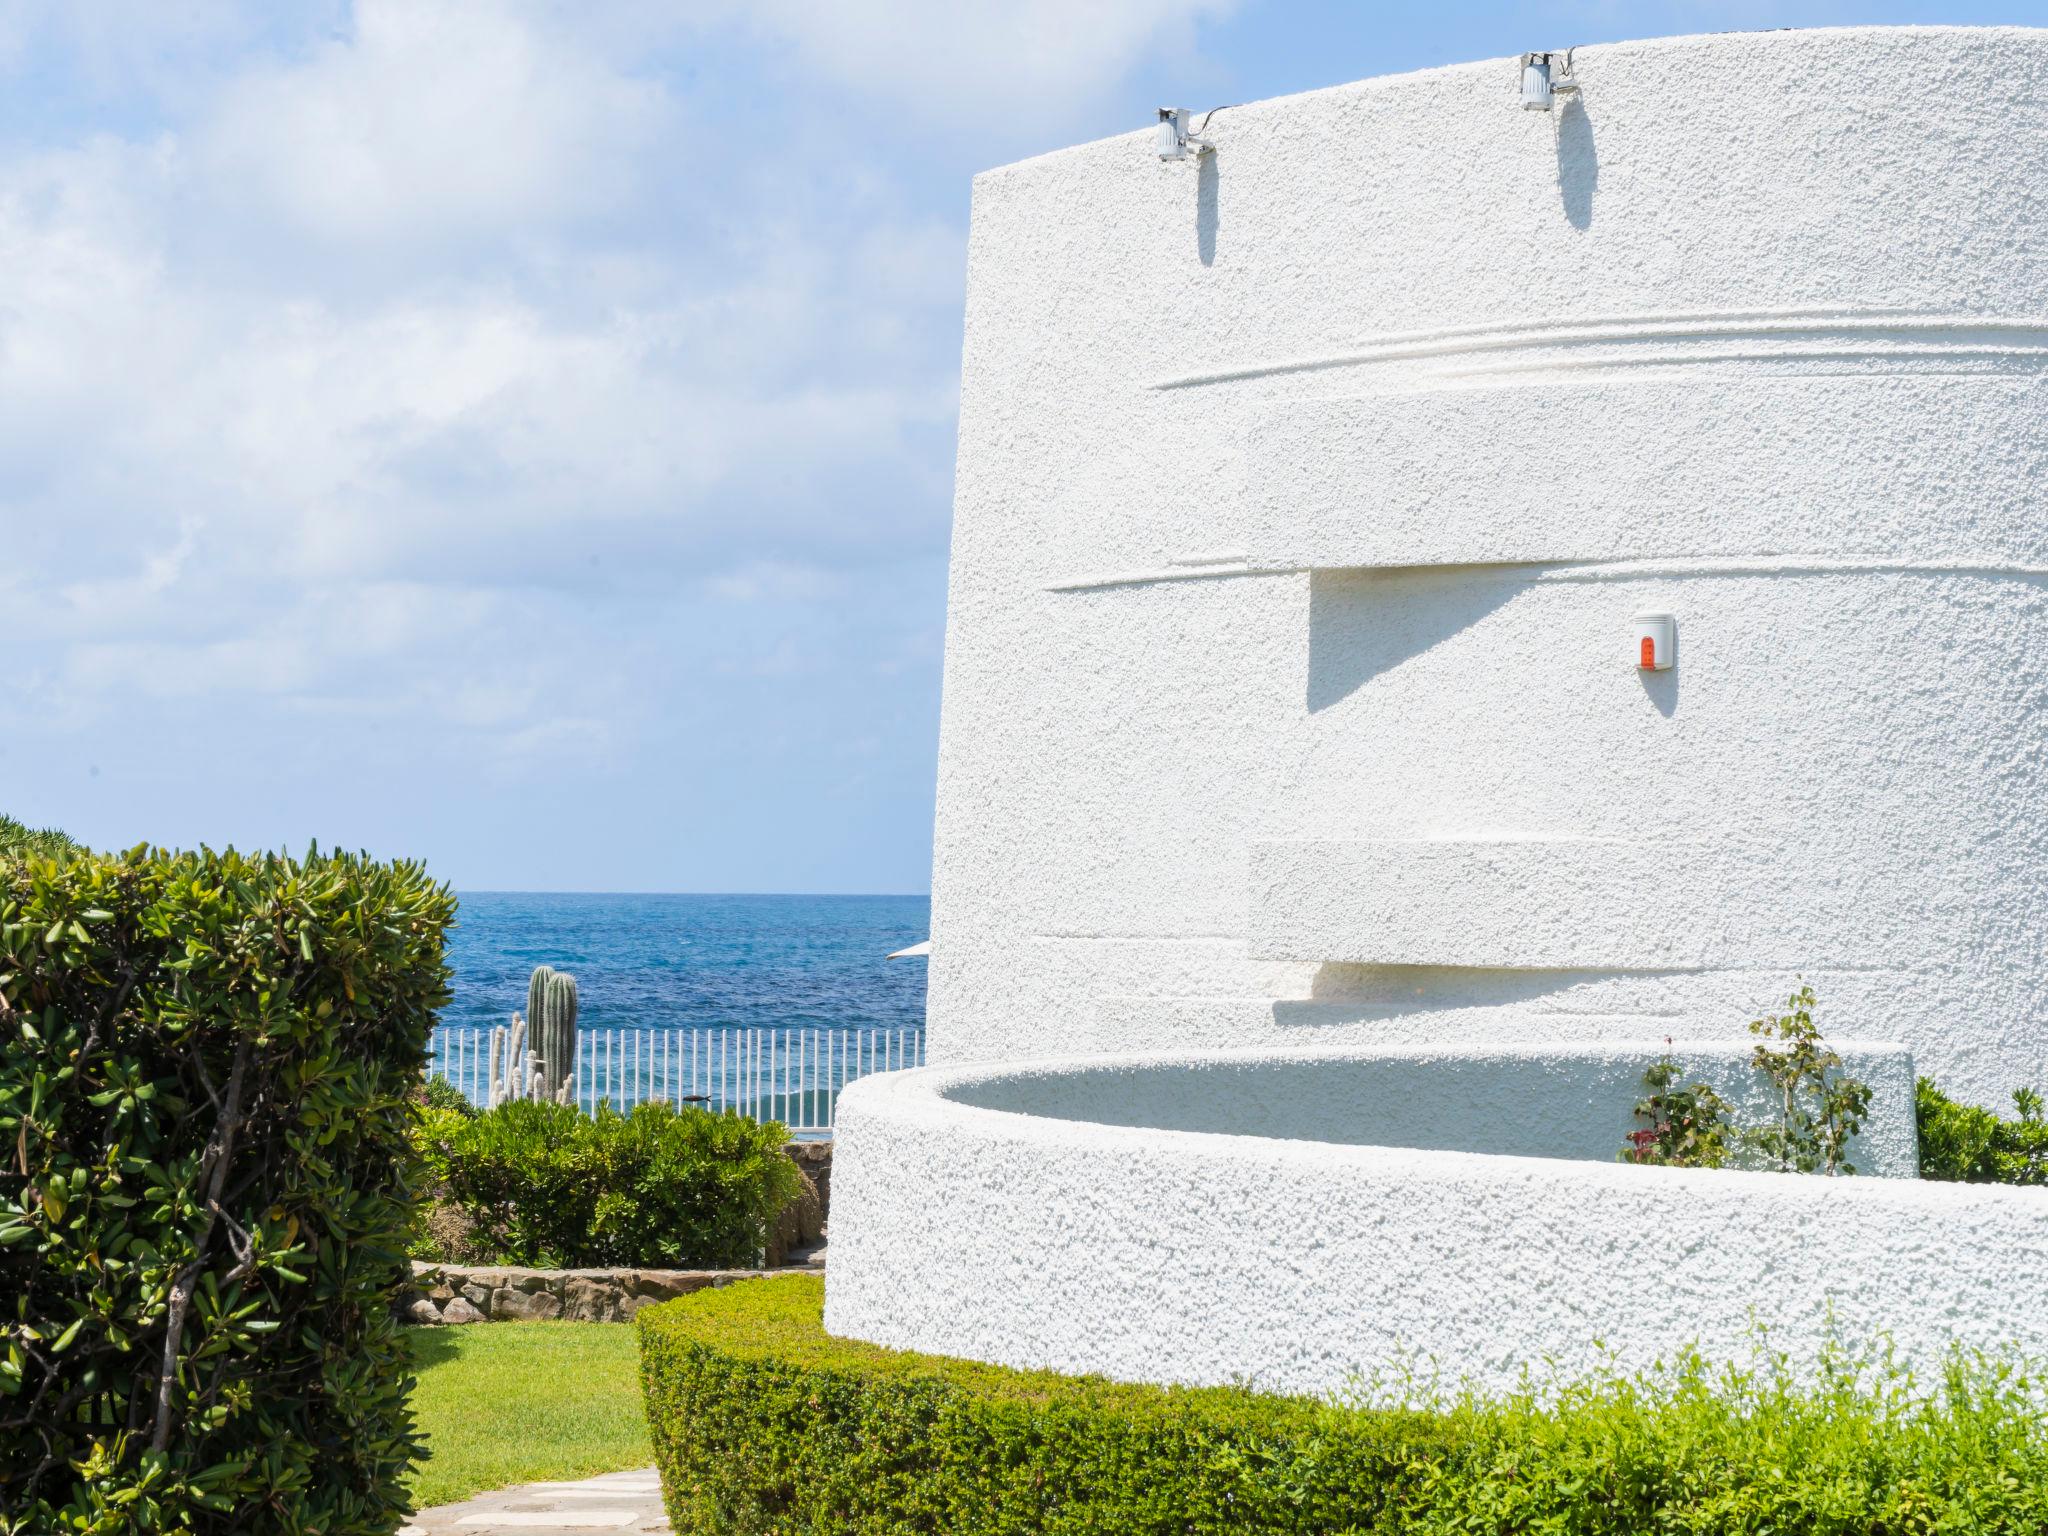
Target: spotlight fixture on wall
(1543,75)
(1175,140)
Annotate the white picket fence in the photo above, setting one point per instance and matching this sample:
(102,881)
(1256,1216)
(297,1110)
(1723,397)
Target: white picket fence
(790,1075)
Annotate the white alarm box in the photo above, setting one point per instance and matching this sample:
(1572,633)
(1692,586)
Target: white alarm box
(1656,642)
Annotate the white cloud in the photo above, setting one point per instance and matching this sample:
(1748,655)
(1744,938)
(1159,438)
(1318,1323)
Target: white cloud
(432,118)
(479,388)
(952,59)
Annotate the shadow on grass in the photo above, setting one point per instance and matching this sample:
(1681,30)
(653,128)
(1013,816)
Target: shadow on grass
(431,1346)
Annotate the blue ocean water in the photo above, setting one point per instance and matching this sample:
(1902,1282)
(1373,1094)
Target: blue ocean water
(671,962)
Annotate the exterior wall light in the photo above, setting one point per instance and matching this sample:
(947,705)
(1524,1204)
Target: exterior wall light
(1544,74)
(1174,139)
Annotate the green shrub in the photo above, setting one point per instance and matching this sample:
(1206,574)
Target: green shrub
(438,1093)
(21,841)
(762,1423)
(545,1184)
(207,1064)
(1819,1109)
(1684,1126)
(1963,1143)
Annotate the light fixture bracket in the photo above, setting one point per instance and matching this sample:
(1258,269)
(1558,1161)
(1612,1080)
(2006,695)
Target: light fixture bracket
(1175,139)
(1543,76)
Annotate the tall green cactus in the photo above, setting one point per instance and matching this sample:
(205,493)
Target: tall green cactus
(551,1025)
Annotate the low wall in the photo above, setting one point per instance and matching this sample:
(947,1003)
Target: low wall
(982,1230)
(1571,1099)
(461,1293)
(802,1222)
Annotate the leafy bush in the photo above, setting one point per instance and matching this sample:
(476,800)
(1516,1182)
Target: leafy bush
(762,1423)
(440,1094)
(545,1184)
(20,841)
(1963,1143)
(1684,1126)
(206,1069)
(1819,1109)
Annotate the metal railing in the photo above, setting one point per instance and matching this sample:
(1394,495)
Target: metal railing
(790,1075)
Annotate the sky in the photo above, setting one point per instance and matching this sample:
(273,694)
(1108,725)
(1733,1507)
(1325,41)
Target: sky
(519,435)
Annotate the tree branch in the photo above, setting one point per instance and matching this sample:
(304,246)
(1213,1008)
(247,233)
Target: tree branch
(213,1170)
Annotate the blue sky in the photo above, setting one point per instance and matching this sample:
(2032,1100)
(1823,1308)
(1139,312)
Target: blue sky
(520,435)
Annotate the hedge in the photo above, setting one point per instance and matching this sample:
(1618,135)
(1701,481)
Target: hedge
(1967,1144)
(546,1185)
(762,1423)
(206,1070)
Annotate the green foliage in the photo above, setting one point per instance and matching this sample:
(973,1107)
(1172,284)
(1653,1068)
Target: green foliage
(207,1068)
(18,841)
(551,1022)
(545,1184)
(1684,1126)
(438,1093)
(1963,1143)
(763,1424)
(1819,1109)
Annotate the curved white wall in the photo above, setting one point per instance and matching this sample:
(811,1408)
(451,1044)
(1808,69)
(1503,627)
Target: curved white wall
(1308,1266)
(1304,498)
(1549,1100)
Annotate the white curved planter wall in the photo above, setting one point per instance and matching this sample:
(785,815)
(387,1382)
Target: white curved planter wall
(1305,497)
(1553,1099)
(1177,1255)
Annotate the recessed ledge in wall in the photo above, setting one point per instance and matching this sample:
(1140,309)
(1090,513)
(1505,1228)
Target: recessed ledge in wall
(1900,469)
(1573,903)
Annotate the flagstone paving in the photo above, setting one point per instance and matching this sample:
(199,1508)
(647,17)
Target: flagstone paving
(618,1501)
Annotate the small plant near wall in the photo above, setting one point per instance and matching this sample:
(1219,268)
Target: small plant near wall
(1965,1144)
(1819,1109)
(1685,1126)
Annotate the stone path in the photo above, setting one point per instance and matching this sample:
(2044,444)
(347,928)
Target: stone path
(618,1501)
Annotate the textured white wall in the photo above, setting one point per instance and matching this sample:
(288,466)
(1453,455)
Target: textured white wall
(1181,1255)
(1304,498)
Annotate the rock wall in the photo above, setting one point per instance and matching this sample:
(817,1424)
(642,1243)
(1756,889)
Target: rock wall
(459,1293)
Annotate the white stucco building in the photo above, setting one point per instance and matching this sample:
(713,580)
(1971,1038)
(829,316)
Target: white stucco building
(1308,492)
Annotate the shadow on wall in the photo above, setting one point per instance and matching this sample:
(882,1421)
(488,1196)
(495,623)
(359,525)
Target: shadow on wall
(1426,988)
(1362,623)
(1578,166)
(1205,208)
(1662,688)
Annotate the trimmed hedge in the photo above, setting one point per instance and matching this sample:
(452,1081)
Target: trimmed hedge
(545,1185)
(763,1424)
(207,1069)
(1966,1144)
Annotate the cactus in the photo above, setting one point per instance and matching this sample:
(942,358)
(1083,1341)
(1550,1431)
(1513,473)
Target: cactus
(508,1062)
(551,1014)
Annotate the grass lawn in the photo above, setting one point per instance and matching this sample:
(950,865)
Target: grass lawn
(503,1403)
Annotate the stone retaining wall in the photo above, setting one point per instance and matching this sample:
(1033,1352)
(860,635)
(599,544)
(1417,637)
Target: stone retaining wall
(457,1293)
(802,1222)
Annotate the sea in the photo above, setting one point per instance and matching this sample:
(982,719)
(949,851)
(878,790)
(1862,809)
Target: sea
(681,962)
